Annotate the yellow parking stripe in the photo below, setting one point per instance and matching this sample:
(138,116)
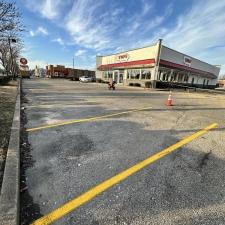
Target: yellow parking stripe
(85,119)
(93,192)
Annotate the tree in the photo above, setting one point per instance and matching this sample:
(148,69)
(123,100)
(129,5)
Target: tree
(9,18)
(10,31)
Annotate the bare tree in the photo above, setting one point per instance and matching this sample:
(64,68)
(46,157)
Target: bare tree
(10,30)
(9,18)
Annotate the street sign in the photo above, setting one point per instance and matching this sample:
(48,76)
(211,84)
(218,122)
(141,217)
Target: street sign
(23,61)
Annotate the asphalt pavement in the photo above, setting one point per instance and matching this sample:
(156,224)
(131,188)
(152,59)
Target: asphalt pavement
(185,187)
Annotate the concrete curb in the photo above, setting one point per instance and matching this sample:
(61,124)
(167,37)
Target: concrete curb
(9,197)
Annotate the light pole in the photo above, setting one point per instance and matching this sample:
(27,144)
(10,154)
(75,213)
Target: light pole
(11,56)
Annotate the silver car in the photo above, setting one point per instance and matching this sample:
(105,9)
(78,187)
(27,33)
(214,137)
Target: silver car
(85,79)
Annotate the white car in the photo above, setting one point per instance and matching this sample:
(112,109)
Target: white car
(85,79)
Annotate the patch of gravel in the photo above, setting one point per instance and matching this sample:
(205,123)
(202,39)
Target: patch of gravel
(8,93)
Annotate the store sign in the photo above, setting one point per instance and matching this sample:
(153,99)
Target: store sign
(122,58)
(187,61)
(23,61)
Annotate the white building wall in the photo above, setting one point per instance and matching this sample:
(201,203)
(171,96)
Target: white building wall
(178,58)
(98,73)
(149,52)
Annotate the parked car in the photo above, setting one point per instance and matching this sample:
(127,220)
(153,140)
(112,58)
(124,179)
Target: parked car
(85,79)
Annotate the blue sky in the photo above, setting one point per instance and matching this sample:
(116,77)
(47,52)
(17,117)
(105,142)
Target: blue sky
(58,30)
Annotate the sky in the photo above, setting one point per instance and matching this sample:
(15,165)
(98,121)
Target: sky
(59,30)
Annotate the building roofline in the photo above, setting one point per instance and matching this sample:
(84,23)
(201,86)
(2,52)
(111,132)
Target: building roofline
(189,56)
(133,49)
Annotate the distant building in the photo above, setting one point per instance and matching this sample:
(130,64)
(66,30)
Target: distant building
(39,72)
(60,71)
(157,66)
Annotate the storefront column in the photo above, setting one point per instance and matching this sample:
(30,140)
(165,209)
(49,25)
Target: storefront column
(159,45)
(171,75)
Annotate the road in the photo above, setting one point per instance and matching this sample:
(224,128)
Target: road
(185,187)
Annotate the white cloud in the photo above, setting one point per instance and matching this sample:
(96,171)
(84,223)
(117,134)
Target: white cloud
(80,52)
(50,9)
(40,30)
(83,26)
(117,11)
(146,7)
(199,31)
(59,40)
(32,33)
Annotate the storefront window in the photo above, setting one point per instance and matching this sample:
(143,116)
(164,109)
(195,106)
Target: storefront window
(186,78)
(145,74)
(133,74)
(175,76)
(108,74)
(105,74)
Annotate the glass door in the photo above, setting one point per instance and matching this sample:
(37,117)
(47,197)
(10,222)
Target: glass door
(120,79)
(118,76)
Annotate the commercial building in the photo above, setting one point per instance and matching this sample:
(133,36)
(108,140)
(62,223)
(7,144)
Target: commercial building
(156,66)
(39,72)
(60,71)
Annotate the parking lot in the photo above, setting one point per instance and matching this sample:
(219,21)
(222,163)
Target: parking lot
(82,134)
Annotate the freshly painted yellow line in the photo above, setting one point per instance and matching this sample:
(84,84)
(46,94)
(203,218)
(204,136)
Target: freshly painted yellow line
(93,192)
(85,119)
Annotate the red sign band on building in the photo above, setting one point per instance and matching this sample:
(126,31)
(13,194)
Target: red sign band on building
(127,64)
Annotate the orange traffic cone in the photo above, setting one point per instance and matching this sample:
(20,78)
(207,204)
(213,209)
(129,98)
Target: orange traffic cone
(169,101)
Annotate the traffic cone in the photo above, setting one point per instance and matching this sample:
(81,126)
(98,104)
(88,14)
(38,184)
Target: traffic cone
(169,101)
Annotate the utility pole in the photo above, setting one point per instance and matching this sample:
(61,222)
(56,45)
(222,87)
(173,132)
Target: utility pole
(73,69)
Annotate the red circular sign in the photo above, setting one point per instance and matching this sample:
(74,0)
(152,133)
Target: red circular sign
(23,61)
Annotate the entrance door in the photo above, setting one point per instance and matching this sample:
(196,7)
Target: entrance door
(118,76)
(120,80)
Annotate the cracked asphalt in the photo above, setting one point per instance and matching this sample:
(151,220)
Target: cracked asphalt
(185,187)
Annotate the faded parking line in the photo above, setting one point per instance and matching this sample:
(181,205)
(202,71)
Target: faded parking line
(59,105)
(85,119)
(93,192)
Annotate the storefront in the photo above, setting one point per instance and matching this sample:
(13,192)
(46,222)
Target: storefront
(156,65)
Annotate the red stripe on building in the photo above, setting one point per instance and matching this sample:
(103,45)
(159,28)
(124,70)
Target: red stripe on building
(127,64)
(187,68)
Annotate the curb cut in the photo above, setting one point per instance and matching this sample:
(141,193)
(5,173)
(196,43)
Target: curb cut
(9,196)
